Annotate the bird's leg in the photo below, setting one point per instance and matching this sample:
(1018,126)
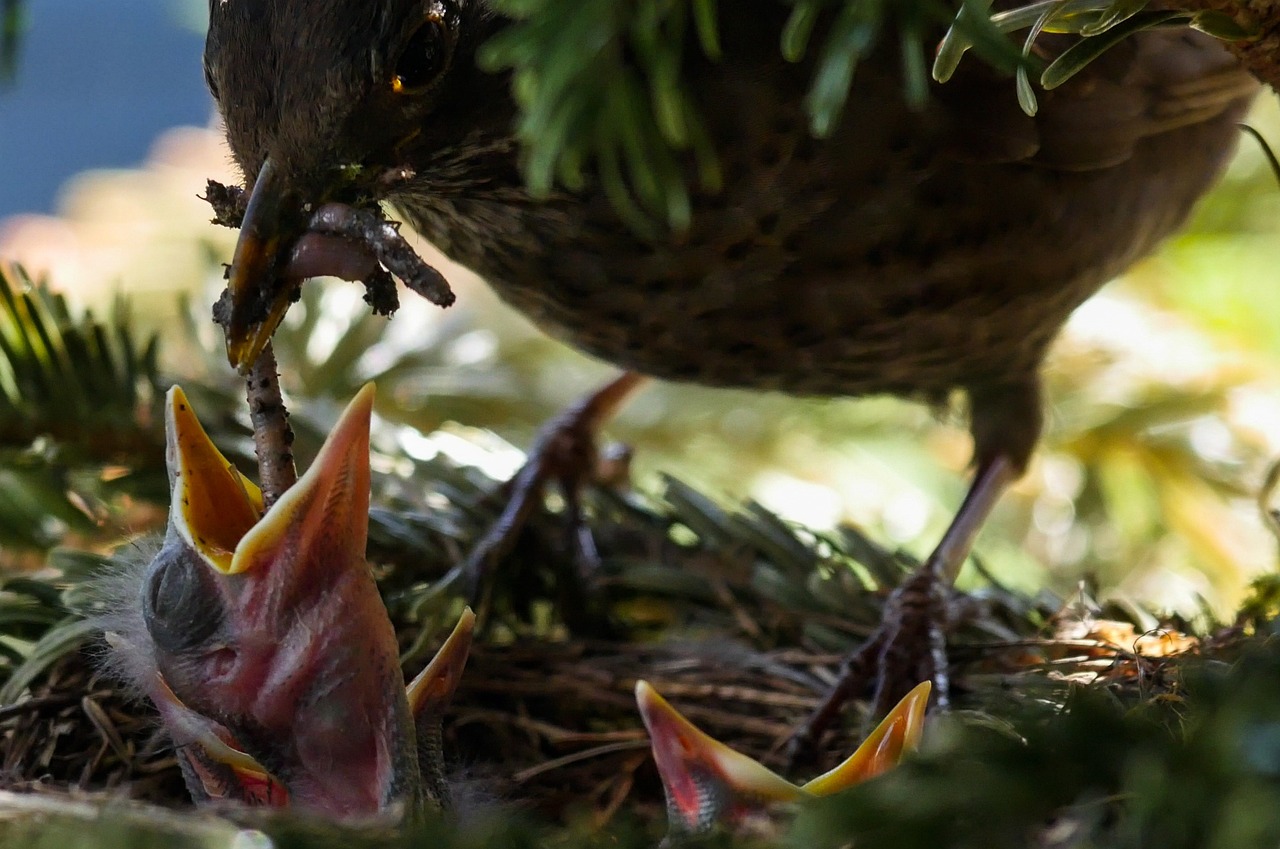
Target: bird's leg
(564,452)
(920,610)
(910,644)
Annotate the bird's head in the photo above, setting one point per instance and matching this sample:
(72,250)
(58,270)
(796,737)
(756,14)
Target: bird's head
(262,639)
(710,785)
(330,101)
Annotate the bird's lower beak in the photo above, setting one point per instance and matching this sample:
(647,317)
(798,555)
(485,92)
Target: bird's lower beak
(707,782)
(698,770)
(309,678)
(431,690)
(213,763)
(259,295)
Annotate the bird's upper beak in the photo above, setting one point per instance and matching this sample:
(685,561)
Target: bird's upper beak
(296,693)
(898,733)
(259,294)
(707,783)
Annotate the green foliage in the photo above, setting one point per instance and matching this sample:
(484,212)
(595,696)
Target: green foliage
(42,620)
(600,81)
(1195,769)
(602,90)
(1101,24)
(78,402)
(59,369)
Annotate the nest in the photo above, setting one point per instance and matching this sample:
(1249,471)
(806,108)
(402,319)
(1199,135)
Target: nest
(739,619)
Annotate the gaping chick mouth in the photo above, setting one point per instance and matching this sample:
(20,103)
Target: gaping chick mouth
(264,642)
(284,240)
(708,784)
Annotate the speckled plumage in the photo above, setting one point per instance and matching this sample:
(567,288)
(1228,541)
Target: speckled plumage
(911,252)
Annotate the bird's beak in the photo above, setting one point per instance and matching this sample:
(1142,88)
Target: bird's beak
(430,692)
(213,763)
(259,296)
(898,733)
(304,673)
(707,783)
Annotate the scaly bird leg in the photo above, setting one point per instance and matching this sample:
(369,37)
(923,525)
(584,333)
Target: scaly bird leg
(910,644)
(564,452)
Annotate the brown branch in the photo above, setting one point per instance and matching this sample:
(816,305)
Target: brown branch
(272,436)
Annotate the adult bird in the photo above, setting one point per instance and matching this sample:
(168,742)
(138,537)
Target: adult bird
(262,640)
(916,251)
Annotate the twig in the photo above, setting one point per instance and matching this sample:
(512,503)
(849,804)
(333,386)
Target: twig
(272,436)
(39,703)
(228,202)
(586,754)
(368,228)
(367,234)
(110,734)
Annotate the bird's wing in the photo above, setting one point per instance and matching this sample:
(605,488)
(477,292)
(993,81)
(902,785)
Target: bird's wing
(1150,83)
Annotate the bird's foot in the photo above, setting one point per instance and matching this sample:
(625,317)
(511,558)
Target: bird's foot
(907,648)
(566,454)
(910,645)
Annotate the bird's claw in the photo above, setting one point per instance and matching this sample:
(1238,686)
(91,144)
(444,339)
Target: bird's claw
(564,453)
(908,646)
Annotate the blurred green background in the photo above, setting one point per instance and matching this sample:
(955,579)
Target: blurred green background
(1164,398)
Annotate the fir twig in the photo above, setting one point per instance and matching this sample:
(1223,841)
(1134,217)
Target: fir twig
(603,93)
(77,412)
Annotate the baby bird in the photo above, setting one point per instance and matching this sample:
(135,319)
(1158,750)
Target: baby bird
(709,785)
(262,640)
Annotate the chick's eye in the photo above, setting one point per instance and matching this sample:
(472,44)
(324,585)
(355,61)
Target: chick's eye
(424,57)
(180,602)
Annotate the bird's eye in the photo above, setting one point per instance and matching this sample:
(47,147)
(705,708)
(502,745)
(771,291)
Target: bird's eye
(424,56)
(179,603)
